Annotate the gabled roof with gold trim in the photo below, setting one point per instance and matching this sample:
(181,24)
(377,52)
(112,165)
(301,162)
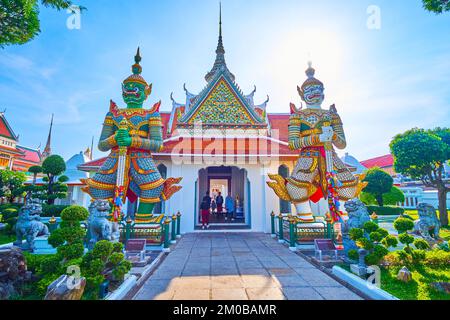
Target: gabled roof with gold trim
(222,104)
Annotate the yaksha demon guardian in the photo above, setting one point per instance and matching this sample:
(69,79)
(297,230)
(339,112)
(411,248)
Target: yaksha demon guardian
(319,173)
(138,131)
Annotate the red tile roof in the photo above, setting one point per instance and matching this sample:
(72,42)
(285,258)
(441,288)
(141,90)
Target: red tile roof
(5,129)
(241,146)
(280,122)
(381,162)
(30,155)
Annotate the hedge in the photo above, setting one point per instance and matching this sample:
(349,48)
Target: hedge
(49,210)
(386,210)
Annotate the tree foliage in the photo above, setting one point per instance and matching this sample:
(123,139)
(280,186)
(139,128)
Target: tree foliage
(11,184)
(421,154)
(389,199)
(54,186)
(19,19)
(379,183)
(437,6)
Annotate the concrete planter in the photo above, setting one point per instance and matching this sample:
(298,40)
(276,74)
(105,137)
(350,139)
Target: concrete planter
(372,292)
(123,289)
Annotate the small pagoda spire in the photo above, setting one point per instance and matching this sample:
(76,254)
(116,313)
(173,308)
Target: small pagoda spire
(48,149)
(220,63)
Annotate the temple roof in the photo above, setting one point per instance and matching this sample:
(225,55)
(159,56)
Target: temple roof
(221,103)
(30,155)
(381,162)
(5,128)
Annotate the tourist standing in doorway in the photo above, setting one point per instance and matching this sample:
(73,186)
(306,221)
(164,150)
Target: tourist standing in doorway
(213,206)
(205,207)
(219,202)
(229,206)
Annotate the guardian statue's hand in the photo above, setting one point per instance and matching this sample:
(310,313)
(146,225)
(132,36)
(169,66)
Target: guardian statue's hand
(123,138)
(326,135)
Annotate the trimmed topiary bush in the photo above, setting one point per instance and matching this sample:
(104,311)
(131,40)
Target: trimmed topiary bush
(386,210)
(105,262)
(68,239)
(421,244)
(49,210)
(403,225)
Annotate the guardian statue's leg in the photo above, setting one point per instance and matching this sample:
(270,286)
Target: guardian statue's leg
(304,211)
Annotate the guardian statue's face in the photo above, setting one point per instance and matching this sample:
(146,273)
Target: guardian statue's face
(134,94)
(313,95)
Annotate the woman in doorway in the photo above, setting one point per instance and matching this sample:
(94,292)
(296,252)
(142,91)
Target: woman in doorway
(219,202)
(213,206)
(205,207)
(229,206)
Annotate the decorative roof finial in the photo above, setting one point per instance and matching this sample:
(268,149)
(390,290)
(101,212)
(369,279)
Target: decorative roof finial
(220,49)
(48,149)
(219,64)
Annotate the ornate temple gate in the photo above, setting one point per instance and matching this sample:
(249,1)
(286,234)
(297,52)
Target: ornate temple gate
(237,185)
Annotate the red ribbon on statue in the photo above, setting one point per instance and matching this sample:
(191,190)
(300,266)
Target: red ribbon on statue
(118,203)
(333,198)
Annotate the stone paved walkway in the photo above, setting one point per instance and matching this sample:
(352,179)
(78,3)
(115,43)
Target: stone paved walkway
(238,266)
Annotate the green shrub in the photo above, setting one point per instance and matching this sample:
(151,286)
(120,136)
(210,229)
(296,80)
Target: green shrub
(68,238)
(390,241)
(380,250)
(405,238)
(403,225)
(74,214)
(105,261)
(356,234)
(383,232)
(353,254)
(71,251)
(49,210)
(375,236)
(364,243)
(386,210)
(370,227)
(437,258)
(421,244)
(372,259)
(418,257)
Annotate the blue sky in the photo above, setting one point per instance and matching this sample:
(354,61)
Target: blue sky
(382,81)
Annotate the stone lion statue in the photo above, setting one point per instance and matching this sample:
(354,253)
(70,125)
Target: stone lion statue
(358,214)
(29,225)
(99,226)
(428,224)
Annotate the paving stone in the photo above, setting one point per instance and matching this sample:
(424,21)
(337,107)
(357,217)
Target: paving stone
(337,293)
(249,265)
(193,282)
(291,281)
(274,264)
(161,274)
(192,294)
(224,271)
(317,278)
(254,271)
(282,271)
(238,266)
(233,281)
(265,294)
(301,293)
(258,281)
(187,272)
(229,294)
